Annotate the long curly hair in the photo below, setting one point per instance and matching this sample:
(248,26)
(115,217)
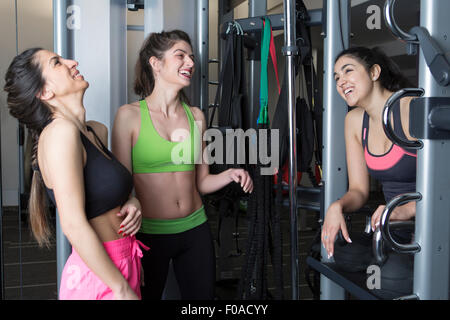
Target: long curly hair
(24,82)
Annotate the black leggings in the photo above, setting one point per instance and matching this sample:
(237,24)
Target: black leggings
(194,263)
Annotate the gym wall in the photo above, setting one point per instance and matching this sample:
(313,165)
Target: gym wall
(35,28)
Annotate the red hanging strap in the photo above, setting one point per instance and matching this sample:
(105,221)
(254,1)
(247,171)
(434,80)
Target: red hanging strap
(273,55)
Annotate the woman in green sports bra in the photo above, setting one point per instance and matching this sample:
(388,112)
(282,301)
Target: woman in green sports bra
(159,140)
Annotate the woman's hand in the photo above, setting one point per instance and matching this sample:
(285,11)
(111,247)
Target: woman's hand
(243,178)
(376,217)
(334,221)
(401,213)
(131,210)
(125,293)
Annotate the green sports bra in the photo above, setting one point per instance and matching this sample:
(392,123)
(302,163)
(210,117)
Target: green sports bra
(152,153)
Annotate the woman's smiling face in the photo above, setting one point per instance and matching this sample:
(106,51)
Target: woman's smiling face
(177,65)
(61,75)
(353,81)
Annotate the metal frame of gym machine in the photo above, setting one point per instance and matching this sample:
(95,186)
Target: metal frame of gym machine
(431,247)
(286,22)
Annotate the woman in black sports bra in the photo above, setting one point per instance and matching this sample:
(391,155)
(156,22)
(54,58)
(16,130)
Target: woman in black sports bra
(89,187)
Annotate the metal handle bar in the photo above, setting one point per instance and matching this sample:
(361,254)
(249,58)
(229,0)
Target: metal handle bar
(392,24)
(385,227)
(379,246)
(387,126)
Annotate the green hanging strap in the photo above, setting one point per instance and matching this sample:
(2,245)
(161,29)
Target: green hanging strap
(264,87)
(267,46)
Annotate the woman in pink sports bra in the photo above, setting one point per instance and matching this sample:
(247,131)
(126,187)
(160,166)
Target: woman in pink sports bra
(366,78)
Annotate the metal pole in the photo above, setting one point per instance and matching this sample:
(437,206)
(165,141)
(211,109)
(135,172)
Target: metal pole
(203,51)
(290,51)
(335,109)
(62,46)
(431,264)
(20,142)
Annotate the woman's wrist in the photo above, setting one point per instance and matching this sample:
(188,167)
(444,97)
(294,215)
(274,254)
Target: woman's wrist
(228,174)
(135,201)
(338,205)
(120,288)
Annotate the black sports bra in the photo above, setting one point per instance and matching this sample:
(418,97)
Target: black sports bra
(396,169)
(107,183)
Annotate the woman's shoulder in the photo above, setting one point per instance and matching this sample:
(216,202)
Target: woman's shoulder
(60,126)
(355,115)
(130,108)
(100,130)
(405,103)
(98,127)
(354,121)
(197,113)
(60,132)
(128,112)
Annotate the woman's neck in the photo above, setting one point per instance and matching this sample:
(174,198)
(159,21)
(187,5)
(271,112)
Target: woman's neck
(375,103)
(165,100)
(70,109)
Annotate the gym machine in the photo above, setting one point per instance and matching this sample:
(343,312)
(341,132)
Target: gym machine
(429,123)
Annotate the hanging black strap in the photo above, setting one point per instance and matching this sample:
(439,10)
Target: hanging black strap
(264,225)
(224,88)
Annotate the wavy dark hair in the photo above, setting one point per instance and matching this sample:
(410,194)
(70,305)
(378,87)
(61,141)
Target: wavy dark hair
(24,82)
(391,77)
(155,45)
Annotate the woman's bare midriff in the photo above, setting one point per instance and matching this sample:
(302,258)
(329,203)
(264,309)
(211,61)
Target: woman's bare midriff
(167,195)
(107,225)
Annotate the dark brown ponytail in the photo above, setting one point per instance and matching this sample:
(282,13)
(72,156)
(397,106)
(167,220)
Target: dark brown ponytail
(24,82)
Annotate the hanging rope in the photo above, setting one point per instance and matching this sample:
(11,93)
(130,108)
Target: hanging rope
(263,222)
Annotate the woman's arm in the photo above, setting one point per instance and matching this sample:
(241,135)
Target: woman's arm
(358,191)
(404,116)
(208,183)
(131,210)
(126,120)
(358,176)
(62,156)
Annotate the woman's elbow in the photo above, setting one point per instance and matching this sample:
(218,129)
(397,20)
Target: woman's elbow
(71,228)
(201,190)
